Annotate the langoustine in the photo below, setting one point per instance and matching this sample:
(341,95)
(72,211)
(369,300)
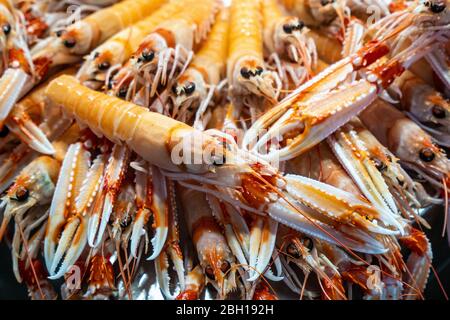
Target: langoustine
(329,230)
(250,81)
(174,133)
(164,53)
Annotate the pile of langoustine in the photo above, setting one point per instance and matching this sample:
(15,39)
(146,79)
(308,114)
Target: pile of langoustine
(320,130)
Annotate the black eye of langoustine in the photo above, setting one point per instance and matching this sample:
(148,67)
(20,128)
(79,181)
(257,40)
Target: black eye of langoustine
(438,112)
(436,7)
(246,73)
(147,56)
(104,65)
(288,28)
(325,2)
(6,29)
(69,43)
(4,132)
(189,88)
(427,155)
(22,194)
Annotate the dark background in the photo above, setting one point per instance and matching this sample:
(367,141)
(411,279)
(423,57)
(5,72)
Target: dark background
(10,289)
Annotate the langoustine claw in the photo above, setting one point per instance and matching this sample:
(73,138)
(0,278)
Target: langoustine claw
(316,109)
(378,172)
(77,185)
(172,250)
(152,200)
(115,170)
(418,263)
(31,118)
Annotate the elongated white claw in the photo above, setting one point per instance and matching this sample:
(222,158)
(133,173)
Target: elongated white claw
(74,157)
(272,277)
(29,133)
(158,241)
(162,272)
(143,213)
(285,214)
(262,244)
(162,275)
(75,191)
(70,246)
(266,248)
(160,209)
(363,171)
(336,203)
(312,121)
(255,241)
(138,231)
(235,228)
(171,250)
(12,87)
(112,180)
(178,265)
